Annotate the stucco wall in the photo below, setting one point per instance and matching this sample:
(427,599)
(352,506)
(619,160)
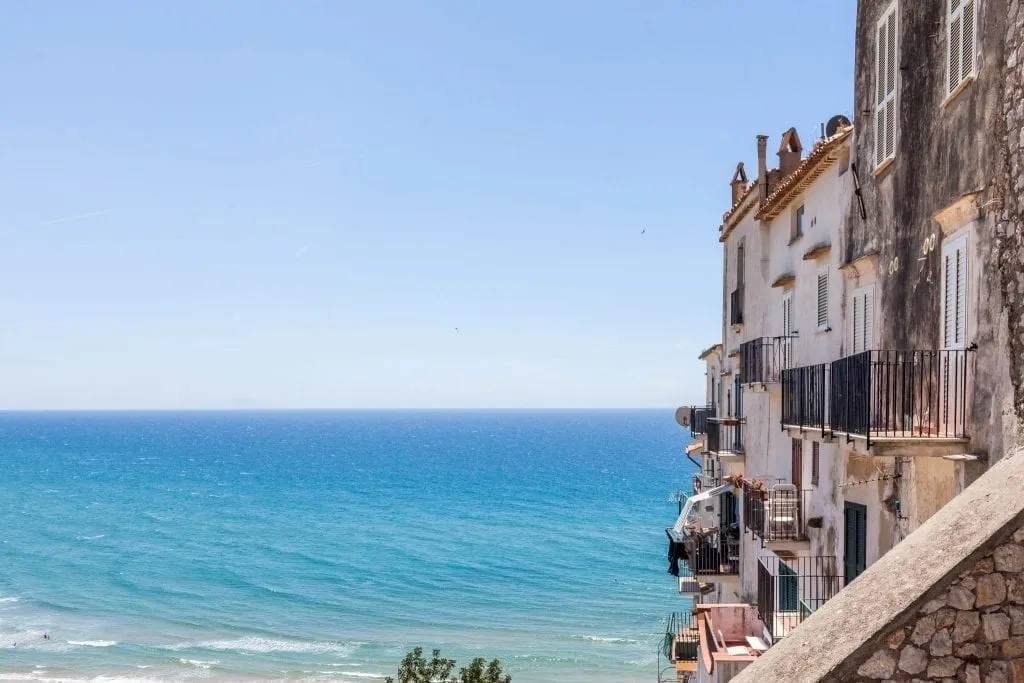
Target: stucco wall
(943,151)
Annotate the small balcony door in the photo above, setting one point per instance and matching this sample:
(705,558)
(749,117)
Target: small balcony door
(855,541)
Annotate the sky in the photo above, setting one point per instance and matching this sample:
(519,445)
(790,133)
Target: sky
(342,204)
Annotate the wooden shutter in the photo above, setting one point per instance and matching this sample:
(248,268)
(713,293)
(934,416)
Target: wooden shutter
(858,325)
(854,541)
(954,294)
(822,299)
(815,462)
(886,77)
(787,314)
(961,41)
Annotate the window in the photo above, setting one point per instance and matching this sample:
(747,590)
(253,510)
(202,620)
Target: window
(886,73)
(797,229)
(961,42)
(815,457)
(863,318)
(954,294)
(787,314)
(822,300)
(855,540)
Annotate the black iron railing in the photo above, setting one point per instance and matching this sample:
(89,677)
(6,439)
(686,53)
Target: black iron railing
(778,513)
(805,392)
(681,641)
(763,360)
(713,553)
(911,394)
(710,471)
(699,419)
(725,436)
(881,394)
(736,307)
(789,590)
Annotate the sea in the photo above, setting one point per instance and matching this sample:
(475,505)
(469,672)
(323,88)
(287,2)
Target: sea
(323,545)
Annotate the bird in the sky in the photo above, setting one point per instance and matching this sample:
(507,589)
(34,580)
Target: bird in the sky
(456,329)
(643,231)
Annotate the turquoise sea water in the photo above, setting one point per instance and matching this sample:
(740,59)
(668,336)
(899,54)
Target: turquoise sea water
(322,545)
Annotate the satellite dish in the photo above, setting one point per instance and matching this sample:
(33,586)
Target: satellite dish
(683,416)
(835,123)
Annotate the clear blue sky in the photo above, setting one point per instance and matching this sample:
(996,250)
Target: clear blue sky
(294,204)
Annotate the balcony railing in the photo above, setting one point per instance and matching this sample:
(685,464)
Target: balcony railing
(789,590)
(699,419)
(778,513)
(710,471)
(882,394)
(805,393)
(736,307)
(713,553)
(764,359)
(682,641)
(725,436)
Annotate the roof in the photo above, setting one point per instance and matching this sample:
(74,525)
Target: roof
(710,350)
(821,158)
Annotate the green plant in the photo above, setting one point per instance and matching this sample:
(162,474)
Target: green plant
(416,668)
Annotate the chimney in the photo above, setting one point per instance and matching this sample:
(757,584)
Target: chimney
(738,183)
(790,151)
(762,167)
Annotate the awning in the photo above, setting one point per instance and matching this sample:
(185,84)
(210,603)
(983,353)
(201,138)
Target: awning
(694,447)
(681,523)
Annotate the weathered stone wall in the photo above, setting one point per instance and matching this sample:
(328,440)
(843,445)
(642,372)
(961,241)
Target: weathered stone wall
(1010,190)
(974,631)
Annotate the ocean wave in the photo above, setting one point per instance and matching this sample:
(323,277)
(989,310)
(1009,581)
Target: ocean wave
(8,599)
(199,663)
(263,645)
(356,674)
(90,538)
(93,643)
(605,639)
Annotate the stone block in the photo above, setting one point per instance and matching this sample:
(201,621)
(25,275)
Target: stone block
(984,566)
(996,672)
(960,598)
(1016,671)
(972,673)
(995,627)
(1013,648)
(1009,557)
(1018,535)
(923,630)
(881,666)
(897,638)
(942,644)
(969,583)
(933,606)
(1017,619)
(945,617)
(1015,589)
(913,660)
(991,590)
(966,626)
(976,651)
(944,667)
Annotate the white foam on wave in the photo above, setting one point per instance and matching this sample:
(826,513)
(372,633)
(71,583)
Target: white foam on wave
(356,674)
(90,538)
(605,639)
(199,663)
(261,645)
(93,643)
(8,599)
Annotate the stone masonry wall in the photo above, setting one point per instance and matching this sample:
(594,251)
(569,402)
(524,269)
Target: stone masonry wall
(1010,192)
(973,632)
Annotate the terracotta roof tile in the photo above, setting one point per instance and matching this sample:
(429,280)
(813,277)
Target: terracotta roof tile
(812,166)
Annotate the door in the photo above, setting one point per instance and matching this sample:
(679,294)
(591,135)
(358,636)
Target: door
(788,588)
(855,541)
(952,361)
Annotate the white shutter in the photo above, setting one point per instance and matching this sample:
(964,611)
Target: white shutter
(886,81)
(954,294)
(863,325)
(961,41)
(869,323)
(822,299)
(858,329)
(787,314)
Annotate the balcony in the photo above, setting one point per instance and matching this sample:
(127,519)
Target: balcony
(725,436)
(736,307)
(710,472)
(682,642)
(777,515)
(897,397)
(699,419)
(704,543)
(791,589)
(731,636)
(763,360)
